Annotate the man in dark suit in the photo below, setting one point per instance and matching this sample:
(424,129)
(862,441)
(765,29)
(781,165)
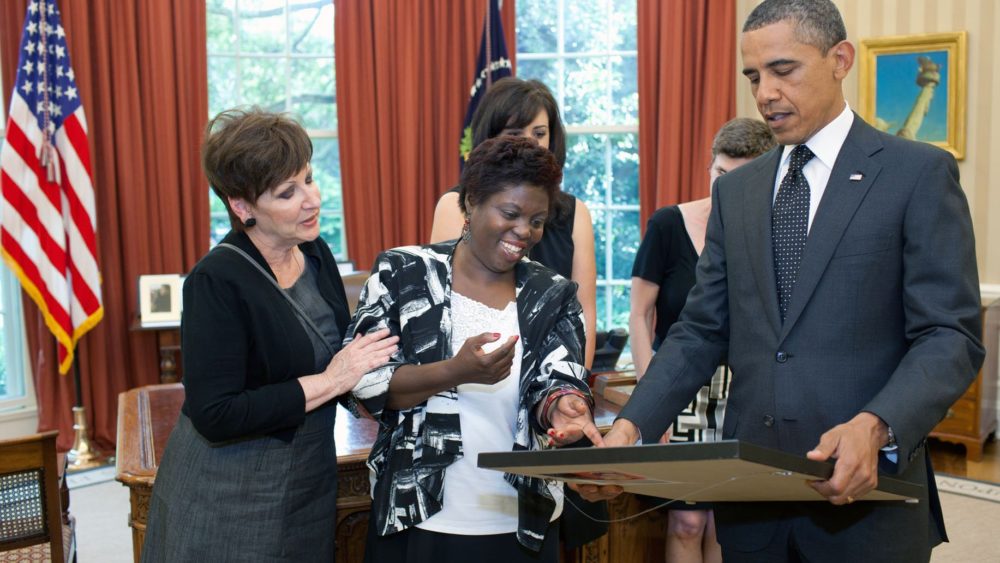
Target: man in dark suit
(839,278)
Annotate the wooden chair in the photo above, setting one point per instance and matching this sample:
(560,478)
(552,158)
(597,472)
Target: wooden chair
(31,517)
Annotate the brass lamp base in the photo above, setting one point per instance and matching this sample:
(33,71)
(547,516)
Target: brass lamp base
(83,455)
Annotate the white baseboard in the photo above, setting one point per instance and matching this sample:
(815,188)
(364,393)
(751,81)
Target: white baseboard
(18,423)
(989,291)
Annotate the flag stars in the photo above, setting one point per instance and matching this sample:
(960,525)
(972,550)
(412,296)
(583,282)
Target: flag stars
(59,71)
(71,91)
(28,67)
(70,75)
(31,28)
(33,8)
(28,87)
(60,31)
(29,47)
(60,51)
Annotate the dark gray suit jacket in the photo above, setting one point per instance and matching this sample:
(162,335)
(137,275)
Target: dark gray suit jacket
(884,318)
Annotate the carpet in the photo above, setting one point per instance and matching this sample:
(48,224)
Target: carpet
(971,512)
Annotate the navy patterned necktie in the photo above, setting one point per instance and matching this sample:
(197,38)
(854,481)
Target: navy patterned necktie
(790,225)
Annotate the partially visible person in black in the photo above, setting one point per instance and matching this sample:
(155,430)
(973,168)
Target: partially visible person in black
(527,108)
(250,470)
(662,277)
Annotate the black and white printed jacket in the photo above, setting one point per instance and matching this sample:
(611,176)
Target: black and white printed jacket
(409,292)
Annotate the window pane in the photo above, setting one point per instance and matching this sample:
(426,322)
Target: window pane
(625,90)
(215,204)
(263,83)
(311,27)
(3,350)
(326,172)
(586,26)
(602,305)
(331,229)
(314,99)
(538,34)
(620,306)
(585,171)
(587,99)
(223,89)
(219,226)
(599,216)
(623,26)
(221,26)
(262,26)
(625,169)
(546,70)
(625,229)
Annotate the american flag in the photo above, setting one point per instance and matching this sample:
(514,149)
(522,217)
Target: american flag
(47,230)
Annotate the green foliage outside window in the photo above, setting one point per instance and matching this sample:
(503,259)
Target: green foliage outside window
(585,51)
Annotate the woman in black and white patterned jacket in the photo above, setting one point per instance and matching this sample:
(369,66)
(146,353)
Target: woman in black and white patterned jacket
(490,359)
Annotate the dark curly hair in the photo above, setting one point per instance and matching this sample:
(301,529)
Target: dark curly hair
(506,161)
(249,151)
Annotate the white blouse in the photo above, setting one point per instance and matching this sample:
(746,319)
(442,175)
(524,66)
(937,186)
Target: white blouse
(479,501)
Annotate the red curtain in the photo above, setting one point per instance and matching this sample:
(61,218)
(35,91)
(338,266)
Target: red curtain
(141,68)
(403,75)
(687,66)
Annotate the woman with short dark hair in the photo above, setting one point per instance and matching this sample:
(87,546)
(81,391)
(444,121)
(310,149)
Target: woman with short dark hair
(250,470)
(490,359)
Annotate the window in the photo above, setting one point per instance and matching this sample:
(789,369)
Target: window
(16,394)
(585,51)
(15,383)
(278,54)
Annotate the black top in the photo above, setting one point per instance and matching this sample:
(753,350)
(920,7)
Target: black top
(555,250)
(243,345)
(667,258)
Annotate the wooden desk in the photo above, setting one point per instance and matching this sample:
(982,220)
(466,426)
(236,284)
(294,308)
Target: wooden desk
(146,416)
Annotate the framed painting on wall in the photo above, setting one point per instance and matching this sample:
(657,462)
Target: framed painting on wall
(914,86)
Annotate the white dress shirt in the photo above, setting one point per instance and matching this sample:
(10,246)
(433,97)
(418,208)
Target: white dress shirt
(825,145)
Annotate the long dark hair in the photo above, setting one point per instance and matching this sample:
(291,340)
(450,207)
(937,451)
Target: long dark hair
(513,103)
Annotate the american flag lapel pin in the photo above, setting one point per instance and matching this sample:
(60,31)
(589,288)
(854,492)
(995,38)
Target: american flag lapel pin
(857,176)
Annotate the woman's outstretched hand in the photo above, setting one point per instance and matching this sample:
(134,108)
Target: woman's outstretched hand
(572,420)
(360,356)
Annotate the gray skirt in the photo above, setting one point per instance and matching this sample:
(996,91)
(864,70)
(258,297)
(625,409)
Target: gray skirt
(253,499)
